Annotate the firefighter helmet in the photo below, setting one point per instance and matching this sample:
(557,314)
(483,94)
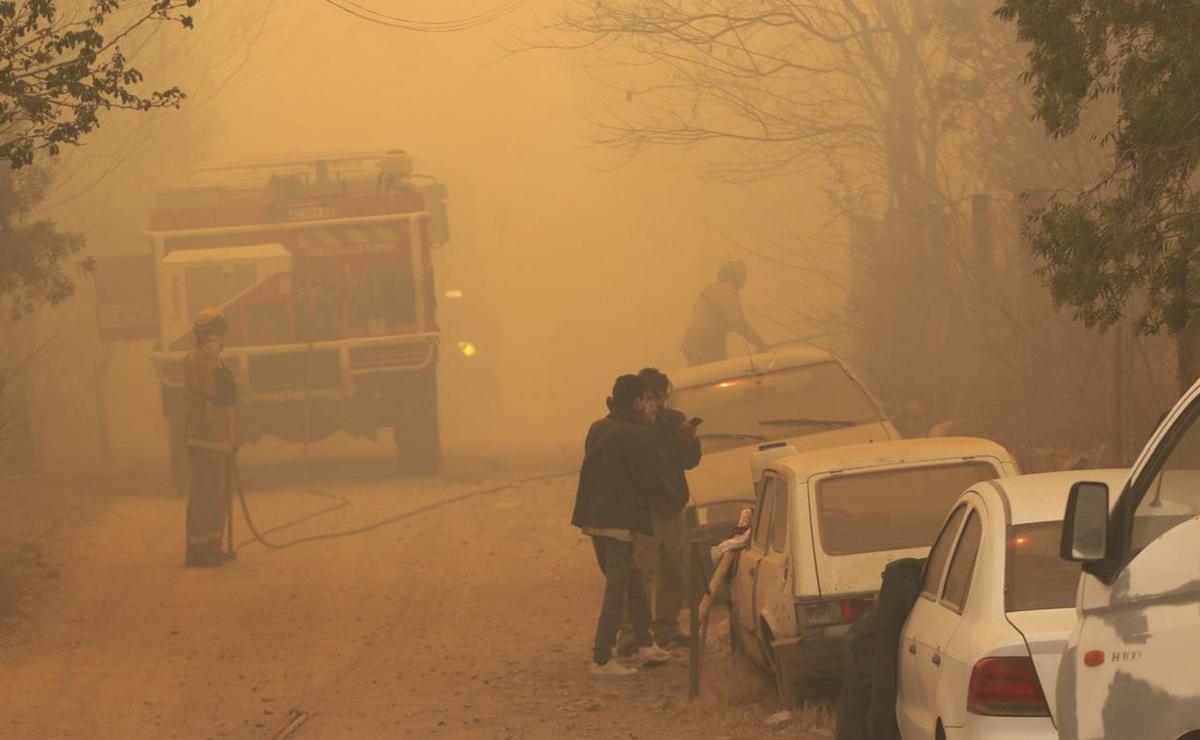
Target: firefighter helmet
(209,321)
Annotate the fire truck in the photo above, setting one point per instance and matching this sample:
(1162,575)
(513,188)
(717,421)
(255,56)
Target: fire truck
(322,266)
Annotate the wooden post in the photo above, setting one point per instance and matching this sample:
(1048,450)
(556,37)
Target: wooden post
(694,648)
(102,435)
(700,611)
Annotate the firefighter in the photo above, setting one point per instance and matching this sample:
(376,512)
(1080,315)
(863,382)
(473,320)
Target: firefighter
(209,395)
(717,312)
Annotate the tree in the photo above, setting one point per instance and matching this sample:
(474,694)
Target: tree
(1132,238)
(34,254)
(61,67)
(64,64)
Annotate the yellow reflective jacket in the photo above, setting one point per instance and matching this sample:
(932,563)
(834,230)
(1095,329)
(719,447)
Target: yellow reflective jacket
(203,419)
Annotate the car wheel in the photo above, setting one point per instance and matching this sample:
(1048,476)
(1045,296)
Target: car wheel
(416,433)
(785,687)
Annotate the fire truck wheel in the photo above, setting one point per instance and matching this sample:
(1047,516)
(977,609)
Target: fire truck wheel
(417,433)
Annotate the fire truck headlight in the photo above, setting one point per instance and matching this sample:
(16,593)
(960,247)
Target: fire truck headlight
(467,349)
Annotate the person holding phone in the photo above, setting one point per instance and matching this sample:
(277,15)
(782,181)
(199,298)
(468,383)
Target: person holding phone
(621,482)
(662,558)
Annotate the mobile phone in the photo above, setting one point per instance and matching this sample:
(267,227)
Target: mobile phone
(695,421)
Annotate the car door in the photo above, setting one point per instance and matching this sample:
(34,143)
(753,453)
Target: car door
(1139,639)
(949,666)
(747,567)
(913,703)
(773,599)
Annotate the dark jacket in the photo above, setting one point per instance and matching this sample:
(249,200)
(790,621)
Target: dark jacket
(676,455)
(621,477)
(866,708)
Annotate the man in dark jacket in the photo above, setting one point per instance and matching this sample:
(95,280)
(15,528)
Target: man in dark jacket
(663,558)
(620,481)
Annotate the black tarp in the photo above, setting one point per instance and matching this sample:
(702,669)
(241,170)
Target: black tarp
(867,703)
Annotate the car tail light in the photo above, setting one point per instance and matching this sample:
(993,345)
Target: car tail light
(831,612)
(1006,687)
(852,608)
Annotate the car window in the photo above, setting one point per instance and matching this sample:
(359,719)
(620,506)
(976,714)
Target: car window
(786,403)
(762,517)
(779,517)
(896,509)
(962,566)
(1173,494)
(1035,576)
(940,554)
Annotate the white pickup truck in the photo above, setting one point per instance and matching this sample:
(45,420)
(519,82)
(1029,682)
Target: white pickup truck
(1131,670)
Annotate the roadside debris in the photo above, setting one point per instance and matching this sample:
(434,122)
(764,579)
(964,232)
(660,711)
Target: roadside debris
(779,719)
(739,541)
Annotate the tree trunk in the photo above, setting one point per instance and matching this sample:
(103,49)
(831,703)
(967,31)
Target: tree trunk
(17,441)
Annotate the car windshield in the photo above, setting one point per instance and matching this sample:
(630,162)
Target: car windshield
(787,403)
(891,509)
(1037,578)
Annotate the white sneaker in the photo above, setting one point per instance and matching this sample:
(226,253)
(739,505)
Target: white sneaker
(651,654)
(611,669)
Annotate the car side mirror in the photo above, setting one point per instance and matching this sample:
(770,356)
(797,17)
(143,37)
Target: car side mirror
(436,195)
(1085,525)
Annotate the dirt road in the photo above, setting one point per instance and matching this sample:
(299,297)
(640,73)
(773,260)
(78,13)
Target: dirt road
(472,619)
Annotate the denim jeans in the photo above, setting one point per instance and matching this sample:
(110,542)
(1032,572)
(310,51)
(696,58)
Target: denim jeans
(623,587)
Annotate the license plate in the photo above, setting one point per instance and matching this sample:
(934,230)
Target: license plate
(310,213)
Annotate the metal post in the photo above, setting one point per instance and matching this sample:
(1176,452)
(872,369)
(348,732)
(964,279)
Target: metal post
(229,509)
(307,409)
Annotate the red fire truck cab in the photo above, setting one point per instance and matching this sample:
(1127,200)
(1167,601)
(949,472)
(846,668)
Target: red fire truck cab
(322,267)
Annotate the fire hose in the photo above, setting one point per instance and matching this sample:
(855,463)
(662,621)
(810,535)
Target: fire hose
(260,537)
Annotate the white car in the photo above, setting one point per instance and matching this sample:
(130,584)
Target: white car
(980,651)
(802,395)
(825,525)
(1132,665)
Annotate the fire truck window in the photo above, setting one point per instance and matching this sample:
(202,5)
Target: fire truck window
(384,292)
(269,320)
(322,318)
(215,285)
